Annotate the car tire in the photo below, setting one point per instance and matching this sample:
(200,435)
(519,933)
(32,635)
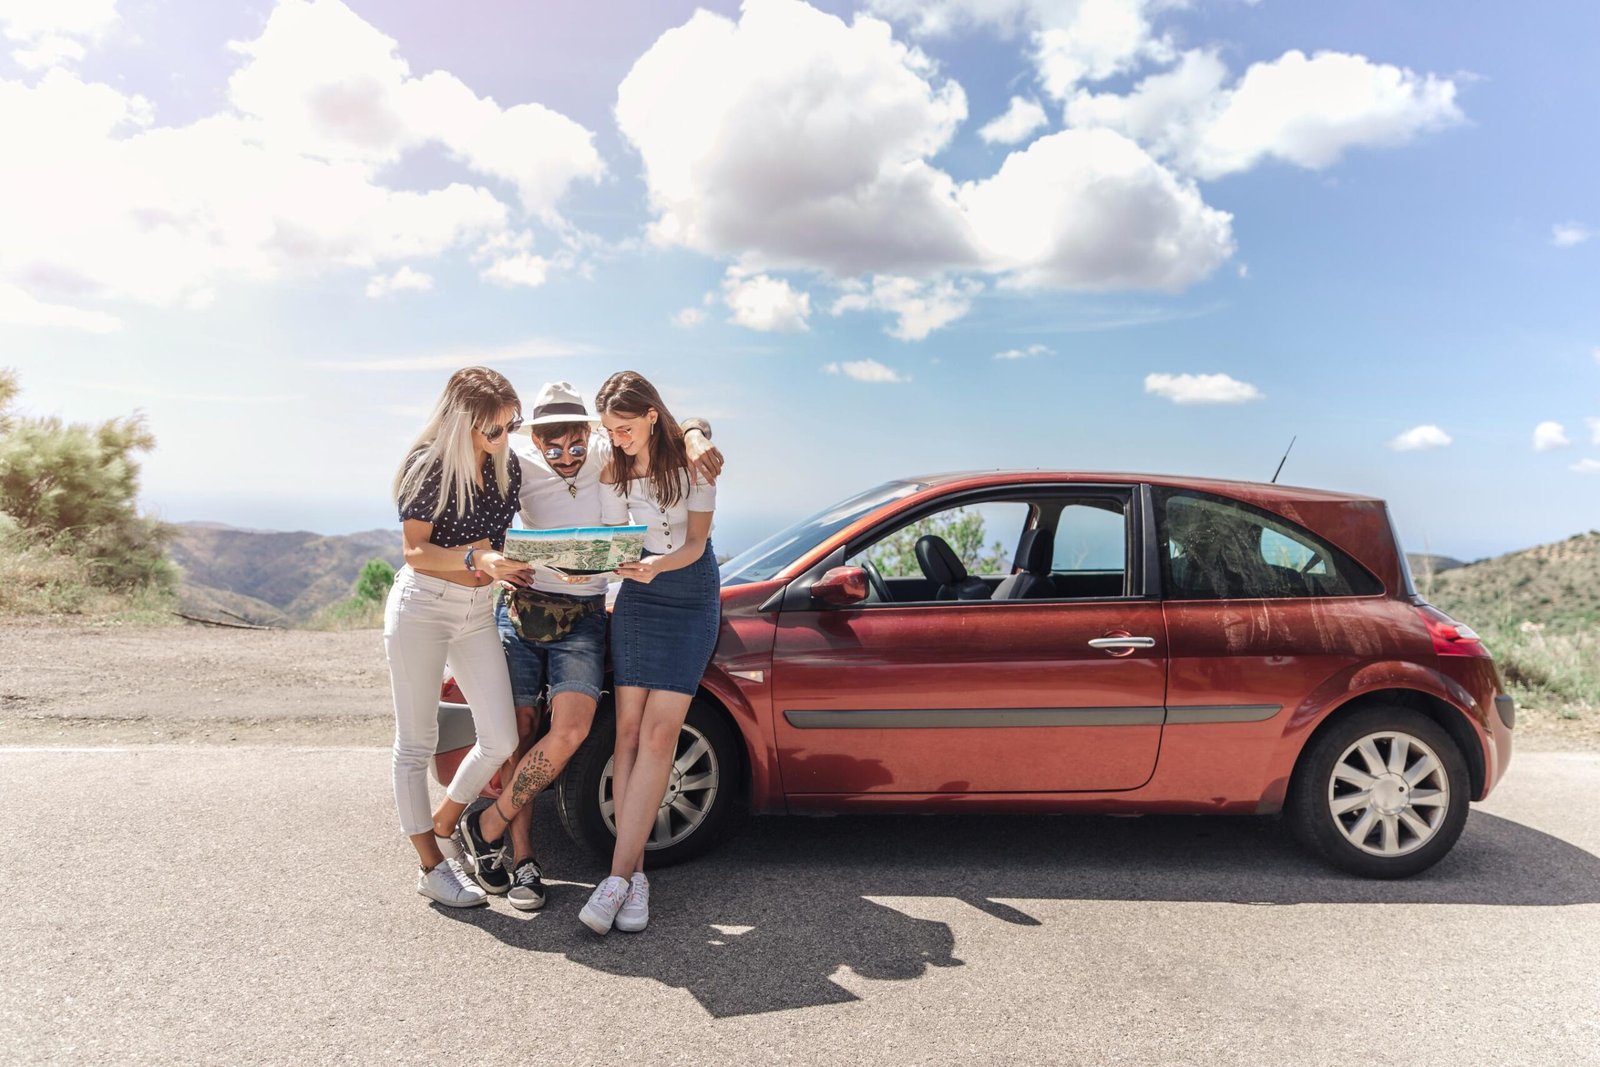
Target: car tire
(1352,808)
(585,788)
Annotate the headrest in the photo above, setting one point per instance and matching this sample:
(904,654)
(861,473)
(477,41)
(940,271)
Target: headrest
(1036,552)
(939,560)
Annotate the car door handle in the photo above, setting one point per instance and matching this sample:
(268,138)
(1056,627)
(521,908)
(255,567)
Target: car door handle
(1122,642)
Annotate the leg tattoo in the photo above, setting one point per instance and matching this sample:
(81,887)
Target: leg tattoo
(535,773)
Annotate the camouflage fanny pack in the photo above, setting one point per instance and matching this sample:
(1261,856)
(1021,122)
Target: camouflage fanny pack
(544,617)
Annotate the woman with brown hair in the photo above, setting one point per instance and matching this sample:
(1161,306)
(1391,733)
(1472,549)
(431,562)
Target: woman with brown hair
(663,628)
(456,493)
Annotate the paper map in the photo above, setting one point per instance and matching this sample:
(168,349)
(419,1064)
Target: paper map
(579,549)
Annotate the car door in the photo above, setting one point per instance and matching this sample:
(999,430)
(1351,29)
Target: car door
(1259,612)
(1043,695)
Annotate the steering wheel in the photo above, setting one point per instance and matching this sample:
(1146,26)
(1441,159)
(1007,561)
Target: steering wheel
(880,588)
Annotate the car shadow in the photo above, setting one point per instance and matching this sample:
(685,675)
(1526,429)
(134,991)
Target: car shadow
(764,923)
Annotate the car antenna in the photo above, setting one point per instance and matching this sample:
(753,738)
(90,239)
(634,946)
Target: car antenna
(1285,459)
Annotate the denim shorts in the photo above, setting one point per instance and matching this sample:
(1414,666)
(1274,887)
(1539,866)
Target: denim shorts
(574,664)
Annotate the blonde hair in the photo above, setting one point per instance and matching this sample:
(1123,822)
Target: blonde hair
(473,397)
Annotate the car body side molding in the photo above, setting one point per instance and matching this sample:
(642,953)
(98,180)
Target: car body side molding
(1002,718)
(1221,713)
(973,718)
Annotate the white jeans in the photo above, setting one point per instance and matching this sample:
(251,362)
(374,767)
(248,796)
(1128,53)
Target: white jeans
(427,622)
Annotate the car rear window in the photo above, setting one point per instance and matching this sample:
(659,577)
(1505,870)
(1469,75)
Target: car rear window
(1213,548)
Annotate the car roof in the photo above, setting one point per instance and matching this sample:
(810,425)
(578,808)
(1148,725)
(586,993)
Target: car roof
(1223,486)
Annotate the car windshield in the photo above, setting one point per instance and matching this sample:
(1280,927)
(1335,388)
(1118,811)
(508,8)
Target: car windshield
(766,559)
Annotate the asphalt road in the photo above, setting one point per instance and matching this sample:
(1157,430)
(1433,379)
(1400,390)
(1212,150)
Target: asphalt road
(192,904)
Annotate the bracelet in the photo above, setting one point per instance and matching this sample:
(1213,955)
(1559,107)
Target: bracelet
(467,559)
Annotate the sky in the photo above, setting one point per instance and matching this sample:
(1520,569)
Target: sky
(867,240)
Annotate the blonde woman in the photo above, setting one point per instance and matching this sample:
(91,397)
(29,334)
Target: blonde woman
(457,494)
(662,630)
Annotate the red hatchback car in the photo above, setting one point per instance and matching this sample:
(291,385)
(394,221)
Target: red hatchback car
(1072,642)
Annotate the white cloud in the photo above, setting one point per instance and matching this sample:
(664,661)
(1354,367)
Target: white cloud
(792,140)
(1201,388)
(381,285)
(1420,438)
(1587,466)
(1070,40)
(100,201)
(919,307)
(761,302)
(1549,435)
(1020,120)
(689,318)
(17,308)
(466,356)
(1568,234)
(51,32)
(1089,209)
(1025,353)
(1594,429)
(521,268)
(866,370)
(795,140)
(1299,110)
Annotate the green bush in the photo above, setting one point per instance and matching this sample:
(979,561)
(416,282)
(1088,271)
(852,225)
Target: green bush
(363,609)
(71,536)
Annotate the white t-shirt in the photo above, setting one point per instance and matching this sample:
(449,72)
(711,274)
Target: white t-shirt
(669,528)
(547,502)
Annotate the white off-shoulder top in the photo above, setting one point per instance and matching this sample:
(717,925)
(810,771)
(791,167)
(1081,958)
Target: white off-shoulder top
(668,527)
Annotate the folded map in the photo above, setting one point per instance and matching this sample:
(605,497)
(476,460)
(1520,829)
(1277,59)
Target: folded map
(579,549)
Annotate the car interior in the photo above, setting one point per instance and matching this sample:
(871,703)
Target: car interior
(1046,547)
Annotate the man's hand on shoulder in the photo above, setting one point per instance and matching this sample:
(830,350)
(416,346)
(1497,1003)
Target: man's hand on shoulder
(705,458)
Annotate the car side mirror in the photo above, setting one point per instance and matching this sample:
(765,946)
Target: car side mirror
(841,587)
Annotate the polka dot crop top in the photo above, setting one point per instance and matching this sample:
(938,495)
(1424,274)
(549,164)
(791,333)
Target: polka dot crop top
(488,513)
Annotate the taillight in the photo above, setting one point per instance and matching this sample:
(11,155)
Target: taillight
(1451,638)
(450,693)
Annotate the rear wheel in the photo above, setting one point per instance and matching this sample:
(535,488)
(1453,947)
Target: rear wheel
(700,795)
(1382,793)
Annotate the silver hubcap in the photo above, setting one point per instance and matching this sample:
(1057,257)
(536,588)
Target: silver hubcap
(1388,794)
(691,790)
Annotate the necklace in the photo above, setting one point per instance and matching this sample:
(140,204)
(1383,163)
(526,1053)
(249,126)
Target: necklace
(572,484)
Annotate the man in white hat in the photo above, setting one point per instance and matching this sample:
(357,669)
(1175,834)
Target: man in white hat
(554,631)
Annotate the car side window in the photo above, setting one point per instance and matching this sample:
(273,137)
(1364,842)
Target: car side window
(1213,548)
(1091,549)
(983,537)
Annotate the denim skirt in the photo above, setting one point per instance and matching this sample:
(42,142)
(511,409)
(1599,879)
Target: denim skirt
(662,632)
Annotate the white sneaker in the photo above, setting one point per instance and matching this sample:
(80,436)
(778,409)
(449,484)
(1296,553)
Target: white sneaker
(604,902)
(635,913)
(449,885)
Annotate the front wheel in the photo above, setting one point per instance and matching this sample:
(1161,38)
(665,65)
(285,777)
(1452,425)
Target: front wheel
(698,803)
(1382,793)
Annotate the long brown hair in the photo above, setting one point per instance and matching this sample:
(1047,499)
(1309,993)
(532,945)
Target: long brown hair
(629,394)
(474,397)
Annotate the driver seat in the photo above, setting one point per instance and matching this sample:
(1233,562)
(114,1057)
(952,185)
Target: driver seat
(940,564)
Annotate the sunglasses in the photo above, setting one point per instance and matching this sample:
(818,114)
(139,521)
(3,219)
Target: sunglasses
(493,433)
(553,453)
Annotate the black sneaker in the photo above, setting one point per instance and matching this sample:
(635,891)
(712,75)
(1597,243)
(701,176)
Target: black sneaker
(484,861)
(527,887)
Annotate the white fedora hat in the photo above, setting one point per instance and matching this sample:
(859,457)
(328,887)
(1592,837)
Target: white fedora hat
(559,402)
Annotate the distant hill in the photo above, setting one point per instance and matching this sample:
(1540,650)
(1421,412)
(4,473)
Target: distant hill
(1423,564)
(271,577)
(1557,583)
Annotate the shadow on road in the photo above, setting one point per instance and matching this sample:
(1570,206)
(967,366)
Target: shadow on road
(763,923)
